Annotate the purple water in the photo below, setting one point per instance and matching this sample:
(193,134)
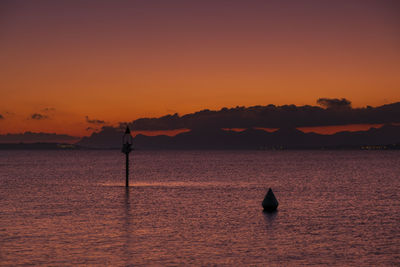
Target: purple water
(200,208)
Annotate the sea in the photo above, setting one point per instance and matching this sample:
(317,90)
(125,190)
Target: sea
(199,208)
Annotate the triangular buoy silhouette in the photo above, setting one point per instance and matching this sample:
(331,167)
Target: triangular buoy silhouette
(270,203)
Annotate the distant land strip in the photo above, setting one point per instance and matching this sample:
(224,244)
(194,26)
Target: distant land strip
(385,137)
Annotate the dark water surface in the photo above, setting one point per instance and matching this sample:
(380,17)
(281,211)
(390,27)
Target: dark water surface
(200,207)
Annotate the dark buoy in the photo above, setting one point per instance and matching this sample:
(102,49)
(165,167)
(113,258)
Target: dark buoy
(270,203)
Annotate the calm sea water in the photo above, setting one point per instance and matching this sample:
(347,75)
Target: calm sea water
(200,208)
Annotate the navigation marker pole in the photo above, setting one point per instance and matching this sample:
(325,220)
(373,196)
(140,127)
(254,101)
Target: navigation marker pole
(126,149)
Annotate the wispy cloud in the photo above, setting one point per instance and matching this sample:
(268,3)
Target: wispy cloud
(94,121)
(38,116)
(334,102)
(1,117)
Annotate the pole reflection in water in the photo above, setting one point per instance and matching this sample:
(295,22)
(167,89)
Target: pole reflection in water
(127,227)
(270,219)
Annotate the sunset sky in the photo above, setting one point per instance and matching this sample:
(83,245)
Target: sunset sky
(69,65)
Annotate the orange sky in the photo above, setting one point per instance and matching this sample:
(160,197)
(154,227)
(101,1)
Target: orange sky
(121,60)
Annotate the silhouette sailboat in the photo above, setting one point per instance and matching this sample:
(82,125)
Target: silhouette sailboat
(270,203)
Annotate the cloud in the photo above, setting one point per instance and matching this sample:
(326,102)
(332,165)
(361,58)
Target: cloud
(337,112)
(6,114)
(94,121)
(38,116)
(334,103)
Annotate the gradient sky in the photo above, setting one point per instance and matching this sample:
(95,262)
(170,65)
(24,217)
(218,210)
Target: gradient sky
(122,60)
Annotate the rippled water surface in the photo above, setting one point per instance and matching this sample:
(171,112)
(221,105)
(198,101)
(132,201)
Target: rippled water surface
(200,207)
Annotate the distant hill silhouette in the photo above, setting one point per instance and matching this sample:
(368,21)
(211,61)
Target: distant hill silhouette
(108,137)
(31,137)
(214,138)
(37,146)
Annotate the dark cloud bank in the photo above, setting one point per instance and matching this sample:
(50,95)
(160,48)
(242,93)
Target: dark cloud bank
(333,112)
(207,128)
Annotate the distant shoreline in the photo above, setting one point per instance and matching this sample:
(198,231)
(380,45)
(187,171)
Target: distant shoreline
(62,146)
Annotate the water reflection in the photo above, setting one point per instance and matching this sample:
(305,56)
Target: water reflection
(126,231)
(195,222)
(270,218)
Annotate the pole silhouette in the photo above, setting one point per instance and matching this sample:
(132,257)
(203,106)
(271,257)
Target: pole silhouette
(127,170)
(126,149)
